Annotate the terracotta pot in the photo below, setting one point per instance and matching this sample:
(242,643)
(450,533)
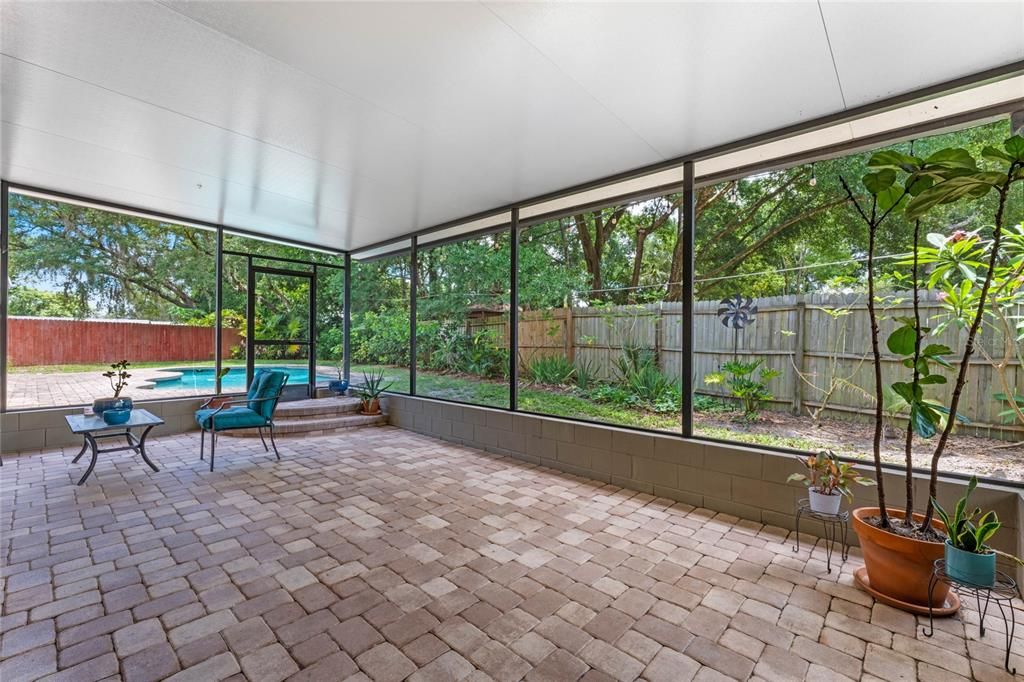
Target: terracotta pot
(899,567)
(371,406)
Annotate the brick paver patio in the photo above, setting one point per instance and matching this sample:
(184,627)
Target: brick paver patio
(385,555)
(57,389)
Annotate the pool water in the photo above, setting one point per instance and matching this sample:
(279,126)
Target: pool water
(205,378)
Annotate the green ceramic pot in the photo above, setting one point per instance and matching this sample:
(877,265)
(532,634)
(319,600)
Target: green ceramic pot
(968,567)
(101,405)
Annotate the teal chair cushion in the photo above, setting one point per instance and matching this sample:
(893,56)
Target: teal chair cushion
(232,418)
(268,386)
(255,385)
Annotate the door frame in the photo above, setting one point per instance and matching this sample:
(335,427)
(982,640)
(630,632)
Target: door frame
(250,324)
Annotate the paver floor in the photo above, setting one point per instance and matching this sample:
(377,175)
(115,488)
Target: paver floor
(30,390)
(385,555)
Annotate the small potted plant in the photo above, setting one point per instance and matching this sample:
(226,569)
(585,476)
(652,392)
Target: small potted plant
(339,385)
(118,377)
(968,558)
(369,392)
(828,481)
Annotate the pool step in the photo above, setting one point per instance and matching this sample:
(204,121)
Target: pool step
(315,417)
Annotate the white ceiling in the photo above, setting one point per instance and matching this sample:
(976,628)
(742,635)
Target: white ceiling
(344,124)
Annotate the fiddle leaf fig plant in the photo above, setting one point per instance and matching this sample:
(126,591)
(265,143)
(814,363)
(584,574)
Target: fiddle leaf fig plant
(976,276)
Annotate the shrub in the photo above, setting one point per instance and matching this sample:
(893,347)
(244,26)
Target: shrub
(706,403)
(633,360)
(639,374)
(750,390)
(445,347)
(649,385)
(553,370)
(671,400)
(381,338)
(612,395)
(586,374)
(484,357)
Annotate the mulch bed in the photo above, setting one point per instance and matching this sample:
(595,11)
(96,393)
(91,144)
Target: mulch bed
(964,454)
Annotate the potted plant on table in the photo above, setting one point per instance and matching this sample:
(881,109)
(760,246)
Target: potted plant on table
(968,557)
(828,481)
(118,376)
(339,385)
(972,272)
(370,391)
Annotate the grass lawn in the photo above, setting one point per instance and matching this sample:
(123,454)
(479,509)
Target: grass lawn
(548,400)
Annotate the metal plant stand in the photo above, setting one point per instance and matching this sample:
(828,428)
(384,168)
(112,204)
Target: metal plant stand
(836,529)
(1003,590)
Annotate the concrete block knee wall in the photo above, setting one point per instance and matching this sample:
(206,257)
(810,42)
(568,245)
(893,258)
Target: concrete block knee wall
(34,430)
(743,481)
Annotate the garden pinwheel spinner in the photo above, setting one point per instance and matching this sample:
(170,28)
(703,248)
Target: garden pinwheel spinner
(736,313)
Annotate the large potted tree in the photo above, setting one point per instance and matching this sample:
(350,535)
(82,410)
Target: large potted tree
(972,272)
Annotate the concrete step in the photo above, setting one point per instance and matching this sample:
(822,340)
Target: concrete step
(315,407)
(313,425)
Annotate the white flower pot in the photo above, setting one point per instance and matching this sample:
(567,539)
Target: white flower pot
(825,504)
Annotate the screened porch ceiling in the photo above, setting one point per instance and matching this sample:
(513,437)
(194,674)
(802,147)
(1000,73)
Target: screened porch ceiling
(347,124)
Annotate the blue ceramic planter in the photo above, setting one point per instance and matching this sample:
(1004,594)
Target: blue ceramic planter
(339,386)
(101,405)
(976,569)
(116,416)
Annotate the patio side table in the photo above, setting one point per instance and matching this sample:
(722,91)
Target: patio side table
(836,528)
(1004,589)
(93,429)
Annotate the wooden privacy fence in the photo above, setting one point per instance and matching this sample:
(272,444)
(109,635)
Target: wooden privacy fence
(59,341)
(821,343)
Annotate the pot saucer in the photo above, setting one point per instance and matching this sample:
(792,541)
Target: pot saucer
(948,608)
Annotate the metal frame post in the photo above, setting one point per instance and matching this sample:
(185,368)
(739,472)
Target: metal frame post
(250,323)
(311,379)
(347,319)
(686,235)
(4,242)
(218,334)
(413,286)
(513,312)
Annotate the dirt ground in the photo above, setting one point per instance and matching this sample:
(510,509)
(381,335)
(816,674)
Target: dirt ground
(964,454)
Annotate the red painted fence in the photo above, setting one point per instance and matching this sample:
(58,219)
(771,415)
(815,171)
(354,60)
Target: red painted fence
(57,341)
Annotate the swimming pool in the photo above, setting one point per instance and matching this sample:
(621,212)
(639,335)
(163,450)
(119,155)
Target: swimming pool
(204,379)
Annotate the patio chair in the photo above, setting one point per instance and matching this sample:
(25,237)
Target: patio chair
(255,411)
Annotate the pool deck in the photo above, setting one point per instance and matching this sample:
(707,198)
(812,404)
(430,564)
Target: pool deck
(59,389)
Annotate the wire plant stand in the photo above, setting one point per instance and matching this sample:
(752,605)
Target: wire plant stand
(836,527)
(1004,589)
